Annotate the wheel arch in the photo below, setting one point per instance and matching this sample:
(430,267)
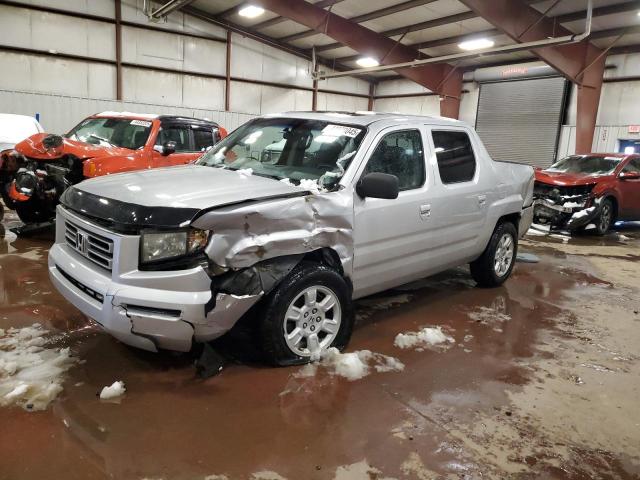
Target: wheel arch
(513,218)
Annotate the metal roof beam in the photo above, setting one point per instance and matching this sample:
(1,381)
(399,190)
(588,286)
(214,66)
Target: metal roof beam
(383,12)
(563,18)
(442,78)
(275,21)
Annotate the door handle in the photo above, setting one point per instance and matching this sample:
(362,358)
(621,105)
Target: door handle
(482,200)
(425,210)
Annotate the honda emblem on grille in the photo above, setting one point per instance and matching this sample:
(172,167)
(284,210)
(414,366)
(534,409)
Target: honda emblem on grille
(82,242)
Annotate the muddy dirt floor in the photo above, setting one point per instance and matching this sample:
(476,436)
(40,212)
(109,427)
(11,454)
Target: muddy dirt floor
(541,380)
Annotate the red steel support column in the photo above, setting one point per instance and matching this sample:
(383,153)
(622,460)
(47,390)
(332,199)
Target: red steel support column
(372,91)
(587,108)
(314,96)
(118,12)
(451,93)
(227,82)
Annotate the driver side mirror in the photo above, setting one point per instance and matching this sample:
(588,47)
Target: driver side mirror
(378,185)
(629,176)
(167,148)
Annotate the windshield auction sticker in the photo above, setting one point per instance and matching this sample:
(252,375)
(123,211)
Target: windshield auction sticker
(340,131)
(140,123)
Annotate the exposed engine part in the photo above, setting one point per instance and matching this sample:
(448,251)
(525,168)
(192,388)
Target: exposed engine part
(52,141)
(32,188)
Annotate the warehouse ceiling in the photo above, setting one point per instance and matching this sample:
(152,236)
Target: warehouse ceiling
(434,27)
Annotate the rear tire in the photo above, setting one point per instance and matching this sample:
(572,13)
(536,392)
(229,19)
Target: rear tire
(297,322)
(496,263)
(605,219)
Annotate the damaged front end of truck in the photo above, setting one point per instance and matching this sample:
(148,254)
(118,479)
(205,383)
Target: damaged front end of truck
(250,246)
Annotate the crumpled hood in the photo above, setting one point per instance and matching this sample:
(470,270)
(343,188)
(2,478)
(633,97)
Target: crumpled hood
(567,179)
(33,147)
(189,186)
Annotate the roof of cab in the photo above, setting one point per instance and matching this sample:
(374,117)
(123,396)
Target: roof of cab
(149,116)
(366,118)
(152,116)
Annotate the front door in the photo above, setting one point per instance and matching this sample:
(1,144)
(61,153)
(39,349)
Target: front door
(629,208)
(182,136)
(390,236)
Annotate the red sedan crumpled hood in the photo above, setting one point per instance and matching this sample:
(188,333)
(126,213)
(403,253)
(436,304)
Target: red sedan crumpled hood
(32,147)
(567,179)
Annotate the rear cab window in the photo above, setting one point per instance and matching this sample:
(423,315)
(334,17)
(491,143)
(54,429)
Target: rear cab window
(455,155)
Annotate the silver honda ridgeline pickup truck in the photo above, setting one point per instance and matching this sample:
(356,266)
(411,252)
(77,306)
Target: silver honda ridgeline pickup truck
(292,216)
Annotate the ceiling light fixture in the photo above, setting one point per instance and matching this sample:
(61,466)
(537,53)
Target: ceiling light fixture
(251,11)
(476,44)
(367,62)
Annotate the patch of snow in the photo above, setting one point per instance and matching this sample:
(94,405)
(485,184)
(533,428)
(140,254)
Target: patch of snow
(311,185)
(267,475)
(116,389)
(488,315)
(31,375)
(583,213)
(572,205)
(287,181)
(353,365)
(359,471)
(538,230)
(245,172)
(428,336)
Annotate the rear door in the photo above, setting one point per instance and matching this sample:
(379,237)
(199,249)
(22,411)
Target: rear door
(460,196)
(630,192)
(391,243)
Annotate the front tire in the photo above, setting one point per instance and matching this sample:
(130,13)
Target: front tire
(307,313)
(605,219)
(496,263)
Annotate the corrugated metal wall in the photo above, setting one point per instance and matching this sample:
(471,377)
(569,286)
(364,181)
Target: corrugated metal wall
(58,113)
(63,91)
(519,120)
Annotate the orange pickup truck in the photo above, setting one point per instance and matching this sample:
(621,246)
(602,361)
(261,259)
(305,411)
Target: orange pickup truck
(37,170)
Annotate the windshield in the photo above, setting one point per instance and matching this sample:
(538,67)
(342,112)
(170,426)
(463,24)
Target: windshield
(288,148)
(112,132)
(588,165)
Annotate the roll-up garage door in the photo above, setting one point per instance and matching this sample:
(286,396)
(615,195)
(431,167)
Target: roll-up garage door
(519,120)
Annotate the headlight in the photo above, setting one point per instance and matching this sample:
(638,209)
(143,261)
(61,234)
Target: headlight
(157,246)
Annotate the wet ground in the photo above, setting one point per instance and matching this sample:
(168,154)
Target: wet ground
(542,381)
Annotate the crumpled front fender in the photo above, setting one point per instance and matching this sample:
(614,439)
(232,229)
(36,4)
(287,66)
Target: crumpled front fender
(251,232)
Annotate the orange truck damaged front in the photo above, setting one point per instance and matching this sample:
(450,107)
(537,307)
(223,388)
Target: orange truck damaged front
(34,174)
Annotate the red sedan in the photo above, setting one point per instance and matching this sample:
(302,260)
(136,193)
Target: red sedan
(579,190)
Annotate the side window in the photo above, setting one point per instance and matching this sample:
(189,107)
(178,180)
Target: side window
(400,154)
(203,139)
(632,166)
(456,161)
(178,134)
